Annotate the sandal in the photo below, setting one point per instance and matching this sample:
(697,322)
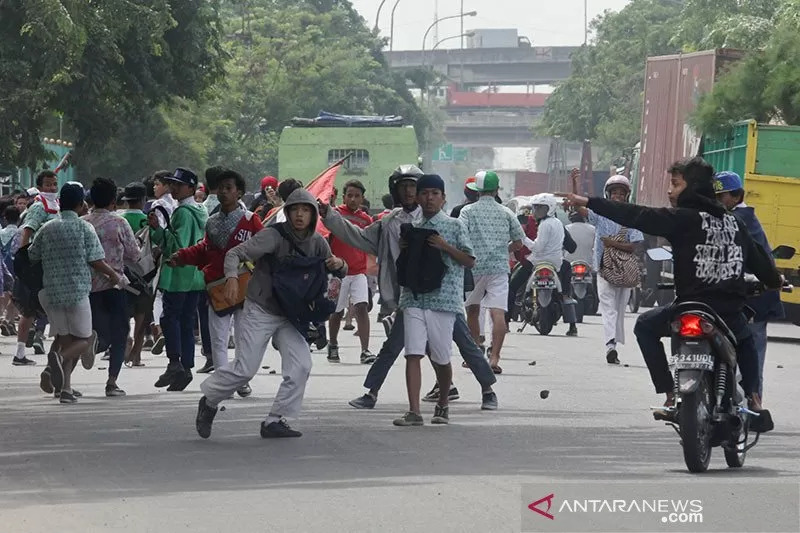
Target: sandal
(496,369)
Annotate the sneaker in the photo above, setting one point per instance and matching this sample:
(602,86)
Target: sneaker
(207,368)
(158,345)
(23,361)
(113,391)
(56,370)
(333,354)
(148,343)
(572,331)
(46,381)
(4,329)
(367,401)
(106,356)
(278,430)
(367,357)
(181,381)
(205,418)
(38,343)
(321,343)
(244,391)
(87,357)
(173,369)
(441,415)
(433,395)
(409,419)
(67,397)
(611,356)
(388,323)
(349,327)
(489,401)
(77,393)
(12,328)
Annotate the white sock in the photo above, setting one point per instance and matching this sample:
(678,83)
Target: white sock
(20,350)
(272,418)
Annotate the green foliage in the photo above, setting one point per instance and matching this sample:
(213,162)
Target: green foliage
(765,86)
(602,99)
(286,58)
(98,66)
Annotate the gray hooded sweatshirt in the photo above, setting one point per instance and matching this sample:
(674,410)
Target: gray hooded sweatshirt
(268,243)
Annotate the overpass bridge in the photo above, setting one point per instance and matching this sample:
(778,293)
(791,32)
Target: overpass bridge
(491,66)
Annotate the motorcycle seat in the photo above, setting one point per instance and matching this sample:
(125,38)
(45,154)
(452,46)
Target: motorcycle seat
(686,307)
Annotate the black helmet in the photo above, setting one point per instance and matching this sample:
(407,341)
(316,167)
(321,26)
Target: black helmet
(402,173)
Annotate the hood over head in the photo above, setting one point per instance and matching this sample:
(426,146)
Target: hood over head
(302,196)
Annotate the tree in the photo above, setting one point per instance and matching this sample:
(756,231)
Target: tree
(765,86)
(602,99)
(98,65)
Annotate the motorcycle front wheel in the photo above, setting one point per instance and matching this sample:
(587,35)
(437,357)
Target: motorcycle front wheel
(696,429)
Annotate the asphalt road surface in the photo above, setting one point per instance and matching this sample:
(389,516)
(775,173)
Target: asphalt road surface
(136,463)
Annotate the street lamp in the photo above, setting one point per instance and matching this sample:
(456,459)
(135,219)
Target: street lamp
(437,21)
(391,29)
(378,15)
(468,34)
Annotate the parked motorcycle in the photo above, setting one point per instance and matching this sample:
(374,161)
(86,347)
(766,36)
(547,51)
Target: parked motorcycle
(710,406)
(583,290)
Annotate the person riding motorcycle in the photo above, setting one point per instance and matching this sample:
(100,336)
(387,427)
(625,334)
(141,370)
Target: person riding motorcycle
(711,250)
(549,243)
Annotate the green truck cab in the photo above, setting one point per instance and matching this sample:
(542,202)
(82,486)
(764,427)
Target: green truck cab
(767,157)
(305,150)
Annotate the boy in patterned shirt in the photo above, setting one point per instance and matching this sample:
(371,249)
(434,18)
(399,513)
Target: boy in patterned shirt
(430,317)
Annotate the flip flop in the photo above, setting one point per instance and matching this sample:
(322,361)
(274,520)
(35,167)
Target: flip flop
(496,369)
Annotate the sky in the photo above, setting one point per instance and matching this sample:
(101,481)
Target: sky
(544,22)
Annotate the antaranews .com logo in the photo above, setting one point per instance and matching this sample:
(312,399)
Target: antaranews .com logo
(669,510)
(661,506)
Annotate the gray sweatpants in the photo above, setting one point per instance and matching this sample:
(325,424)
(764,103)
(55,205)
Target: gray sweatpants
(254,330)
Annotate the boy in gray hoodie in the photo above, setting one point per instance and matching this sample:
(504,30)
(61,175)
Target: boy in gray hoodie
(262,318)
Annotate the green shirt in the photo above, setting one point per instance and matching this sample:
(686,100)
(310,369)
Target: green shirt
(66,245)
(36,216)
(135,217)
(491,226)
(187,228)
(450,296)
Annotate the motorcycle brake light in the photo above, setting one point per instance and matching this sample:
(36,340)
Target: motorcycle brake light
(693,326)
(579,269)
(544,273)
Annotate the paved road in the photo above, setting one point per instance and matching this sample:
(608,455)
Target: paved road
(136,463)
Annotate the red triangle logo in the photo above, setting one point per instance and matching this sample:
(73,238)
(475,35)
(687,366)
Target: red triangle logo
(546,513)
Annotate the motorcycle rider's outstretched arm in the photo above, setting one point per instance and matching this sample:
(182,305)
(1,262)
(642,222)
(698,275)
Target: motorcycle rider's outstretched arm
(759,262)
(660,222)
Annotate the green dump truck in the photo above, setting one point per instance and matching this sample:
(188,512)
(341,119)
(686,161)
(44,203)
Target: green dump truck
(378,145)
(767,158)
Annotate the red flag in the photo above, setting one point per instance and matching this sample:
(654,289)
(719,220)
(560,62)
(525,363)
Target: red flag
(321,188)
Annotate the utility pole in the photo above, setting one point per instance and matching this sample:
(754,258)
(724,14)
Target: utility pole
(436,19)
(462,24)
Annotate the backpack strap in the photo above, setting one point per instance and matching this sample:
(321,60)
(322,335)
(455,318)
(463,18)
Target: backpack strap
(282,230)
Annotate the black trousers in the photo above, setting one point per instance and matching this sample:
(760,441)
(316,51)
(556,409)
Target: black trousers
(653,325)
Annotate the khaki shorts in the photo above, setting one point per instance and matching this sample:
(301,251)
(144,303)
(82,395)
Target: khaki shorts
(75,320)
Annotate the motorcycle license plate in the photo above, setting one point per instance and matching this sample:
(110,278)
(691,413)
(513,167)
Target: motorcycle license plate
(694,356)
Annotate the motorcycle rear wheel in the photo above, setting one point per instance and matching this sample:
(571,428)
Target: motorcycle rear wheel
(696,430)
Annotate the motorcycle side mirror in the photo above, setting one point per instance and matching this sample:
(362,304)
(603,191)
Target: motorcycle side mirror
(783,252)
(659,254)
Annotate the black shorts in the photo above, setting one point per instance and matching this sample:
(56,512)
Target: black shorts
(140,305)
(26,300)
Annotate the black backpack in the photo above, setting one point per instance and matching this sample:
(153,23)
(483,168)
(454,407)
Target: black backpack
(420,267)
(299,285)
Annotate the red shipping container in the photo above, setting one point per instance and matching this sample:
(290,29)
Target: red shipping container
(528,183)
(673,86)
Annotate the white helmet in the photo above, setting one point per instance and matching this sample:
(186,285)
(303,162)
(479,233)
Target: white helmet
(620,181)
(547,199)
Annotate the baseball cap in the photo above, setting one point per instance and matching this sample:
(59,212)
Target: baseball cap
(727,181)
(134,191)
(185,176)
(470,181)
(485,181)
(269,181)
